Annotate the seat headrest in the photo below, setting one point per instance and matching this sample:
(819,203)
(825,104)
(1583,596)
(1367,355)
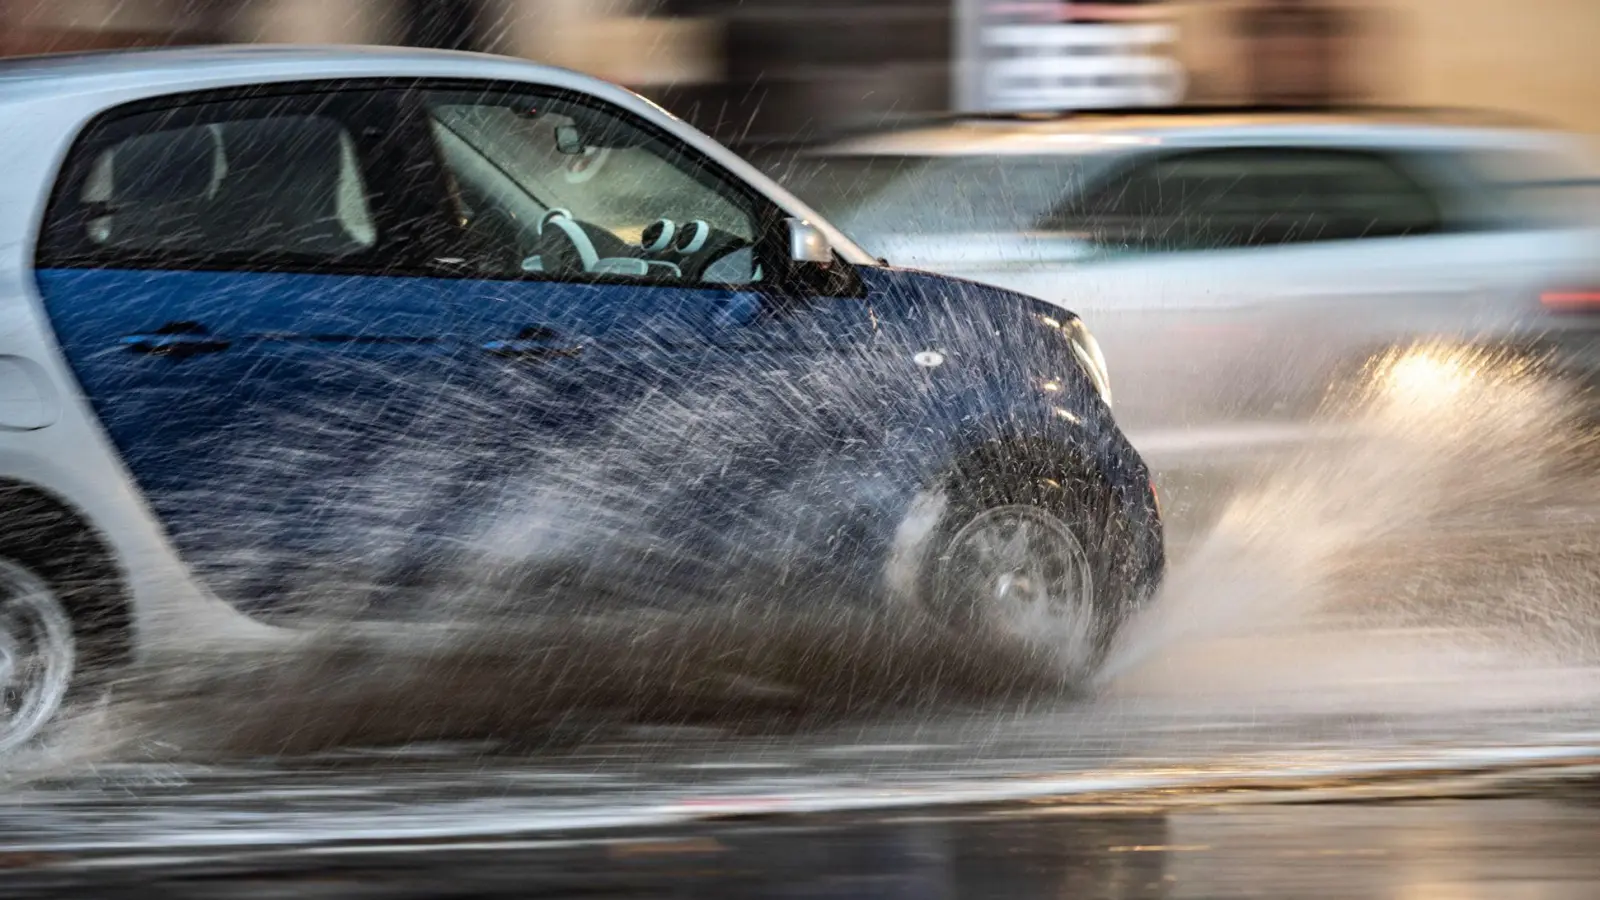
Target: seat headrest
(164,167)
(297,154)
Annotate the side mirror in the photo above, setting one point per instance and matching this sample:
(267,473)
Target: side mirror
(814,273)
(807,243)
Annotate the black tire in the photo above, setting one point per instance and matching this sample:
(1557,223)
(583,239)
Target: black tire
(1085,511)
(54,547)
(38,653)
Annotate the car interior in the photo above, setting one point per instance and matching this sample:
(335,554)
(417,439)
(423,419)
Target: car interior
(533,199)
(540,194)
(288,184)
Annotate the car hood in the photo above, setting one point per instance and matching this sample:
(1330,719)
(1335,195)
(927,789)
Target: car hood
(909,284)
(1021,343)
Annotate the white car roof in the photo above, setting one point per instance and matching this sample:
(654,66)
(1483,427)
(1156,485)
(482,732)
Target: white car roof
(157,71)
(46,100)
(1025,135)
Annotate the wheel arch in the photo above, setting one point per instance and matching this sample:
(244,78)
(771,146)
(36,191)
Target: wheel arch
(49,536)
(1020,457)
(1015,457)
(1133,507)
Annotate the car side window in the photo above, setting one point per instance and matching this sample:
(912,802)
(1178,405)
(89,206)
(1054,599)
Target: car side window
(556,186)
(289,182)
(1255,197)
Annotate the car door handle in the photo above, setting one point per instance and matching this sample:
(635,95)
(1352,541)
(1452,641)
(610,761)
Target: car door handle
(176,340)
(533,344)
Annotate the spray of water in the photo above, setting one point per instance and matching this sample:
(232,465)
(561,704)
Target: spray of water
(1405,523)
(1421,543)
(625,578)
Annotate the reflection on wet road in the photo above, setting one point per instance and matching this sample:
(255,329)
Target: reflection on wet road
(1539,846)
(1119,750)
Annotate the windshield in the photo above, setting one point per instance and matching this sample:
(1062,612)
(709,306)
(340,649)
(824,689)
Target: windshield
(941,195)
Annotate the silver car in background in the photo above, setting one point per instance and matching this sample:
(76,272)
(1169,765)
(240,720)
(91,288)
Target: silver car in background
(1234,266)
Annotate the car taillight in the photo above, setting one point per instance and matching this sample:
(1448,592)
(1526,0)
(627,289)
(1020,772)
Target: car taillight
(1571,301)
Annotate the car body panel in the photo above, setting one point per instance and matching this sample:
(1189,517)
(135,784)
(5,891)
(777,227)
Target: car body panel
(422,406)
(314,356)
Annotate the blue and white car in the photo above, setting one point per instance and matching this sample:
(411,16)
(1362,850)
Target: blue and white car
(289,334)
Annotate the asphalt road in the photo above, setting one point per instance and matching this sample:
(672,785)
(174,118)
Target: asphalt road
(1539,844)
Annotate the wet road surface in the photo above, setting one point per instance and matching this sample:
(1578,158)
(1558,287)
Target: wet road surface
(1540,843)
(1288,721)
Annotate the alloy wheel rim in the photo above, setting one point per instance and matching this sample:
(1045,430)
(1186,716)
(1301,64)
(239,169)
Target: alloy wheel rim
(36,655)
(1020,572)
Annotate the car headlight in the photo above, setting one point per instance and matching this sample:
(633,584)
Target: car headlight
(1087,350)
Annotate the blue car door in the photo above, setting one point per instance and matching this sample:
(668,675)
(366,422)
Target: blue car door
(231,280)
(622,305)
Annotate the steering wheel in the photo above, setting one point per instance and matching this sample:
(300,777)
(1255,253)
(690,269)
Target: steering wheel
(565,248)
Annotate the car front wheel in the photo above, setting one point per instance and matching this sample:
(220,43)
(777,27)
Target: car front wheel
(1032,559)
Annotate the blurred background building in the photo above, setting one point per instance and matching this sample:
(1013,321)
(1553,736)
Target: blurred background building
(762,71)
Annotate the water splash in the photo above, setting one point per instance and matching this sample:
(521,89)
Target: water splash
(1401,525)
(1417,546)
